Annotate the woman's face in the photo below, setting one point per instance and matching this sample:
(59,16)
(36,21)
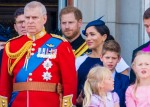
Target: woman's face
(93,38)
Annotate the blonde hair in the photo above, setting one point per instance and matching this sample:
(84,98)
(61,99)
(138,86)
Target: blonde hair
(137,81)
(96,75)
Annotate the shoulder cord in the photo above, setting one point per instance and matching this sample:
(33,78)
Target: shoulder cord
(17,55)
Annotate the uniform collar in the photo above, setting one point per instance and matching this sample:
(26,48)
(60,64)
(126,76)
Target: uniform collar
(77,42)
(38,35)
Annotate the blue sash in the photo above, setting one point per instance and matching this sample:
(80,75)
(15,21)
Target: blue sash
(33,63)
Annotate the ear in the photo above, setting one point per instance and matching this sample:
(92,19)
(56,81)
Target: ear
(80,22)
(15,28)
(45,18)
(101,57)
(104,37)
(119,58)
(100,85)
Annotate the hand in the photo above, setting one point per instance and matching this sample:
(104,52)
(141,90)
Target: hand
(2,44)
(80,98)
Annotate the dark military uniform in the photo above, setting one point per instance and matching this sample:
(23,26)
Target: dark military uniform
(79,46)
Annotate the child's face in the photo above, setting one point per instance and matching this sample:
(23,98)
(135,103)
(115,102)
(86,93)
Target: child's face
(142,66)
(108,84)
(110,60)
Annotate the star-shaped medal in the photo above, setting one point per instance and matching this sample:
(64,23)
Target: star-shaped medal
(47,76)
(47,64)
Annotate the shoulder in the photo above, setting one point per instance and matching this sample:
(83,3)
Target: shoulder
(95,100)
(58,37)
(141,47)
(122,65)
(80,60)
(122,76)
(16,38)
(130,90)
(115,97)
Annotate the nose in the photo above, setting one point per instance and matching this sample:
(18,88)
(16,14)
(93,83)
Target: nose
(23,24)
(30,20)
(67,25)
(88,37)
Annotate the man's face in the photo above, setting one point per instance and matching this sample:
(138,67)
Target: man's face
(70,26)
(147,25)
(35,20)
(20,25)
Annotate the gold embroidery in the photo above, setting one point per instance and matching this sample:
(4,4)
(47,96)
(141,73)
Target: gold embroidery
(67,101)
(81,50)
(3,101)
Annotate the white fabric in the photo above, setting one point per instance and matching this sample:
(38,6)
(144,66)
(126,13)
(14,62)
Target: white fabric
(80,60)
(121,66)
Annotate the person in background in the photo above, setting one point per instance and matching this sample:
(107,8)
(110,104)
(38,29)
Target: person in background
(19,20)
(110,56)
(138,94)
(97,33)
(19,26)
(98,89)
(71,22)
(36,65)
(145,47)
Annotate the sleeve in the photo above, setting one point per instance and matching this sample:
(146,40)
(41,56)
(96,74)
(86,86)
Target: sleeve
(121,66)
(129,97)
(66,59)
(95,102)
(80,60)
(5,81)
(115,97)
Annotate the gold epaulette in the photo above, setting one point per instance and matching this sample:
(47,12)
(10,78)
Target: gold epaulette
(14,38)
(59,37)
(3,101)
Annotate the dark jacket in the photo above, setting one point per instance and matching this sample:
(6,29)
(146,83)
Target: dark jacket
(121,84)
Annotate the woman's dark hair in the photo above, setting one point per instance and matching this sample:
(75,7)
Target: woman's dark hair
(104,30)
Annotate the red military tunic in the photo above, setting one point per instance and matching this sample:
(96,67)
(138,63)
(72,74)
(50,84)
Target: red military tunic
(59,68)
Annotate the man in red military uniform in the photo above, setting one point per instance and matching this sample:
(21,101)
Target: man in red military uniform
(36,65)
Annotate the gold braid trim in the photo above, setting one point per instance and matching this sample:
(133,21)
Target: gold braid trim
(59,37)
(17,55)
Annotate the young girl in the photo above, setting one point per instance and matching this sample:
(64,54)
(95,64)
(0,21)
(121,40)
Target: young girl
(98,87)
(138,94)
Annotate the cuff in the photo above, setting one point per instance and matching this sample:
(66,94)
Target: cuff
(3,101)
(67,101)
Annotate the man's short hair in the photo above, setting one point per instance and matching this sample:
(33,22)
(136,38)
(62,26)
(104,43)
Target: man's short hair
(146,14)
(71,9)
(18,12)
(111,45)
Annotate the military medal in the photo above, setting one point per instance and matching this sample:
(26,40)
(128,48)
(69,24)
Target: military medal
(47,64)
(47,76)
